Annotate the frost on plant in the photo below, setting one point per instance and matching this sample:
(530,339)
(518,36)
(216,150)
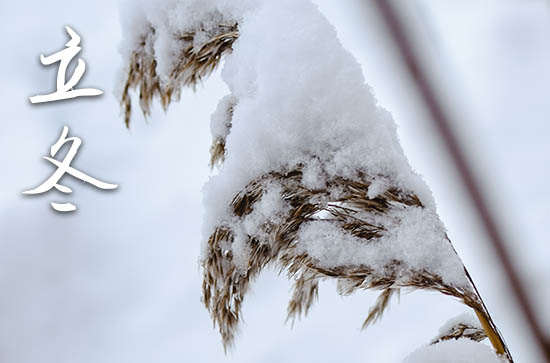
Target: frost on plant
(311,177)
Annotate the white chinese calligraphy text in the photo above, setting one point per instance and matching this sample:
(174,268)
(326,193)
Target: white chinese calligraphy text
(65,90)
(65,167)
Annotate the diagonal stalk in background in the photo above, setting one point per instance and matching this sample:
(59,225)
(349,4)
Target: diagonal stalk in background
(442,122)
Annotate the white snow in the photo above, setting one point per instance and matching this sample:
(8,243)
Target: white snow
(417,248)
(219,122)
(454,351)
(466,318)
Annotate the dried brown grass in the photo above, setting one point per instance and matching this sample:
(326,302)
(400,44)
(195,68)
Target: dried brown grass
(191,67)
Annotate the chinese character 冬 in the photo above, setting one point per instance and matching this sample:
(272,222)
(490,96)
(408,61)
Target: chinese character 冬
(65,167)
(65,89)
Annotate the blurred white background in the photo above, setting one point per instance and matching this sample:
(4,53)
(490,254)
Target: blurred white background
(118,280)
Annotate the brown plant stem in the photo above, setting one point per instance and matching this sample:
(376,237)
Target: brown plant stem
(495,338)
(494,335)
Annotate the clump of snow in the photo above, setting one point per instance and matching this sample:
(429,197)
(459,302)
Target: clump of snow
(302,100)
(220,122)
(466,318)
(377,187)
(414,236)
(270,209)
(454,351)
(312,175)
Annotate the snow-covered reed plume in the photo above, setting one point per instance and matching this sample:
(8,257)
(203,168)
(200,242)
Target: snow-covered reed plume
(312,177)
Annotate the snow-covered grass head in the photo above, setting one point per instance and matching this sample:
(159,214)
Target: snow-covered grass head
(194,51)
(312,177)
(316,233)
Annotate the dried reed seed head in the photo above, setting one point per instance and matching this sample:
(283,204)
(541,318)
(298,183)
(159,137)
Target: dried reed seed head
(191,66)
(217,150)
(462,330)
(305,292)
(141,75)
(225,286)
(376,311)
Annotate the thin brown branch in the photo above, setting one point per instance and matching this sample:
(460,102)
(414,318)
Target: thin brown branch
(443,124)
